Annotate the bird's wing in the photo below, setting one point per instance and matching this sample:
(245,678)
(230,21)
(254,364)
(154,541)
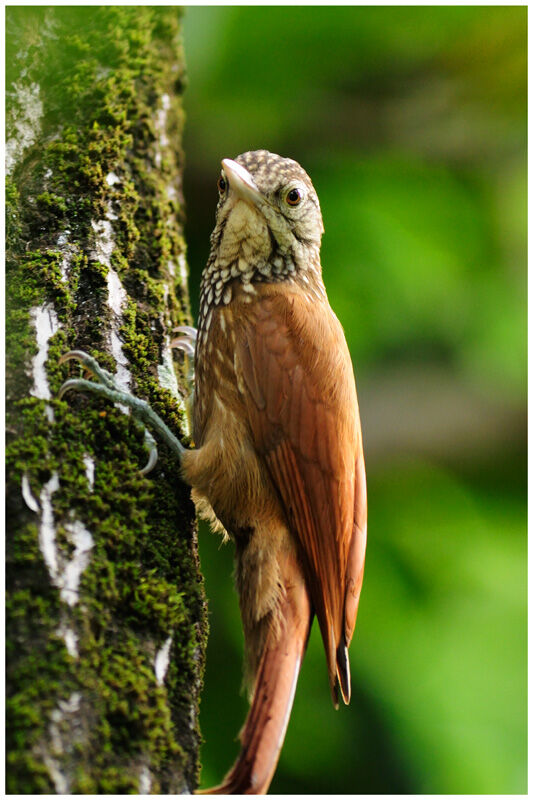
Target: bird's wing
(297,382)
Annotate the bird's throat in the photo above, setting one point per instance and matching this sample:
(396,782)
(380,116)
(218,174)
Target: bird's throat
(245,238)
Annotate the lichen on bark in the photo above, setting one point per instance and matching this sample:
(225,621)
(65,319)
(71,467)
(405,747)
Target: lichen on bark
(105,622)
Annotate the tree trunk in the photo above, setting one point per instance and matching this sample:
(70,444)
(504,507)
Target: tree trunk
(105,608)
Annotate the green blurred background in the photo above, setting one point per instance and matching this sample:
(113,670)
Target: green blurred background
(411,122)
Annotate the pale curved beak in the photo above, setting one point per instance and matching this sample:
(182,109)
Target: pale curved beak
(241,182)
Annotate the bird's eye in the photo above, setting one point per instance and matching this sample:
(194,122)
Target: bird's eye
(293,197)
(222,185)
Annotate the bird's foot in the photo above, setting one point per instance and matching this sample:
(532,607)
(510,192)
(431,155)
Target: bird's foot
(105,386)
(187,343)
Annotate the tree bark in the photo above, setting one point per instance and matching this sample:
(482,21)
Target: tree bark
(105,622)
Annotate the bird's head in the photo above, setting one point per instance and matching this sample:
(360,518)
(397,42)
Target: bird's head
(268,209)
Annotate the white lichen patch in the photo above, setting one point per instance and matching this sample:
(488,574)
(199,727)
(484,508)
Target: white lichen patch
(59,780)
(122,375)
(65,573)
(117,298)
(67,251)
(69,578)
(47,530)
(70,706)
(145,780)
(25,122)
(46,323)
(104,241)
(27,495)
(162,660)
(184,273)
(88,462)
(160,122)
(70,638)
(111,179)
(63,732)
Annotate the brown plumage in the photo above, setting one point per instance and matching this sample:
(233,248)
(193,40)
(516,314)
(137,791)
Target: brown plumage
(278,460)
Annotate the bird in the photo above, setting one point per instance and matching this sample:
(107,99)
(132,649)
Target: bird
(277,464)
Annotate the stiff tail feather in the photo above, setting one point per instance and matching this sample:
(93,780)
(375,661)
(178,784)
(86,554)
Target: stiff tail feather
(264,730)
(343,672)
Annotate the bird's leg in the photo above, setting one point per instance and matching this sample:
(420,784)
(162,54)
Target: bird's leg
(105,386)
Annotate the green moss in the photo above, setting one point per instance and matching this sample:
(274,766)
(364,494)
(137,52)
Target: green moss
(43,673)
(101,84)
(52,203)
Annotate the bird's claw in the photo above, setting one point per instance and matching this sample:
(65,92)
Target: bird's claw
(182,343)
(188,330)
(91,365)
(187,343)
(151,445)
(106,387)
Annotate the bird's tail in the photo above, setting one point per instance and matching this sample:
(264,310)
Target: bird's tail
(264,730)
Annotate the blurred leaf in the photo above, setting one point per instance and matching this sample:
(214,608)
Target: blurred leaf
(441,637)
(402,245)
